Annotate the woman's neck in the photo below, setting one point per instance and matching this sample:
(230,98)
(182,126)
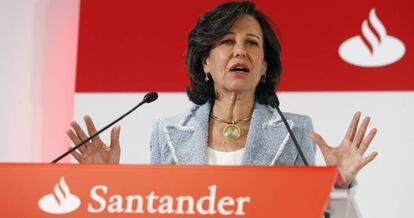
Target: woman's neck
(233,106)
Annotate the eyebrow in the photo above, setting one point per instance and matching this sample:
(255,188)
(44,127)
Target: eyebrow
(249,34)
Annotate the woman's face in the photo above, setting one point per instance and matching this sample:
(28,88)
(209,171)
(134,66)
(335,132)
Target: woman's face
(236,62)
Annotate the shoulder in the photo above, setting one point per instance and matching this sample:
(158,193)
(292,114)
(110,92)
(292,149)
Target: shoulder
(298,119)
(193,113)
(302,124)
(269,113)
(299,123)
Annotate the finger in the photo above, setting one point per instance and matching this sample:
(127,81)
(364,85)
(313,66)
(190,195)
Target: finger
(320,142)
(367,141)
(350,133)
(78,130)
(369,158)
(78,157)
(91,128)
(361,132)
(75,139)
(116,131)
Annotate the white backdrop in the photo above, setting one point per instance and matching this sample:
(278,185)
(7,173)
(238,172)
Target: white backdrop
(38,45)
(38,41)
(384,185)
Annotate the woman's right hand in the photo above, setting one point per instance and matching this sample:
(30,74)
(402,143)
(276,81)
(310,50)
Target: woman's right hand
(95,151)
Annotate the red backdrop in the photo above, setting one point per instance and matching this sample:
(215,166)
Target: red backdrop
(133,46)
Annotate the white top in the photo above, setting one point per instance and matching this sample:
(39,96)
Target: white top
(225,158)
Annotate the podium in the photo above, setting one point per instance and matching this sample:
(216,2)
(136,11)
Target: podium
(342,204)
(71,190)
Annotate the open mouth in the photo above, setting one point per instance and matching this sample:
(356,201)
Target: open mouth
(239,68)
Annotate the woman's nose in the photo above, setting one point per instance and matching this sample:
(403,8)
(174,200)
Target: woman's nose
(239,51)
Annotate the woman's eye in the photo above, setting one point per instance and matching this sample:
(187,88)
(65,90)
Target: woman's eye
(227,42)
(252,42)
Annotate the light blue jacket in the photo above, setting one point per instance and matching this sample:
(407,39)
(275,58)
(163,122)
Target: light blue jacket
(183,139)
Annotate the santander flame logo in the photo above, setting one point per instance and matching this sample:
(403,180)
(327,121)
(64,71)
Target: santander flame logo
(61,201)
(375,48)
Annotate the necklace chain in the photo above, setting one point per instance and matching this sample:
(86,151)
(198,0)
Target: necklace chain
(228,121)
(231,131)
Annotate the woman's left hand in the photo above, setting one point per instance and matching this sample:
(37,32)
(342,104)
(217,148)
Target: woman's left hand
(349,155)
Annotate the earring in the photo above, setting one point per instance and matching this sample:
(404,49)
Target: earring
(263,79)
(207,78)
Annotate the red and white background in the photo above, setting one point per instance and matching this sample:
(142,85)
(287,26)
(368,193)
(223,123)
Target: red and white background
(60,60)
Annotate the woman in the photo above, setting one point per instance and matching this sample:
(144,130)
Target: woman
(233,58)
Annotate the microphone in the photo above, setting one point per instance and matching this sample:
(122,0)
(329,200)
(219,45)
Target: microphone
(273,101)
(148,98)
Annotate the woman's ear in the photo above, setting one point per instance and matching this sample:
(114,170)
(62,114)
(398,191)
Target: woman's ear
(264,68)
(206,64)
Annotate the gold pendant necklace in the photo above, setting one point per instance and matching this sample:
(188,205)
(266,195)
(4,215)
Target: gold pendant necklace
(231,131)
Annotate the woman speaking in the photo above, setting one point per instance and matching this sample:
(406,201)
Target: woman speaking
(233,59)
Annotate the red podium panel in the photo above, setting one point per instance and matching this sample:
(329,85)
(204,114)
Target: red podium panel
(45,190)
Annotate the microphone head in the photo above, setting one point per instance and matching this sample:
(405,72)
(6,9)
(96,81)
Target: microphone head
(273,101)
(150,97)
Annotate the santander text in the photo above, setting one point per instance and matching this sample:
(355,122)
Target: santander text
(166,204)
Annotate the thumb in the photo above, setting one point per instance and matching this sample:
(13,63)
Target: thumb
(116,131)
(320,142)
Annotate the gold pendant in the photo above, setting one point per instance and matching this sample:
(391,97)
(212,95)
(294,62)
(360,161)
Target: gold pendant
(231,132)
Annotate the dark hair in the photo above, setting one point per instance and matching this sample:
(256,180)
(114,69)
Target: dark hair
(212,26)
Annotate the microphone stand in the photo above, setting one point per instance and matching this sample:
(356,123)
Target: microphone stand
(148,98)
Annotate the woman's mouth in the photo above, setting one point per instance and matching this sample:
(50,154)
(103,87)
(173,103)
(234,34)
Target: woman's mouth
(239,69)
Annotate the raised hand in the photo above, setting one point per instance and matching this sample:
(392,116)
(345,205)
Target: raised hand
(349,155)
(95,151)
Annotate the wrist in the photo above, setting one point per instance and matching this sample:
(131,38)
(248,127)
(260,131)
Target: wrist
(342,182)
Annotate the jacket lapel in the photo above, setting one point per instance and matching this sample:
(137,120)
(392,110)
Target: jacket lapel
(266,140)
(267,137)
(187,140)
